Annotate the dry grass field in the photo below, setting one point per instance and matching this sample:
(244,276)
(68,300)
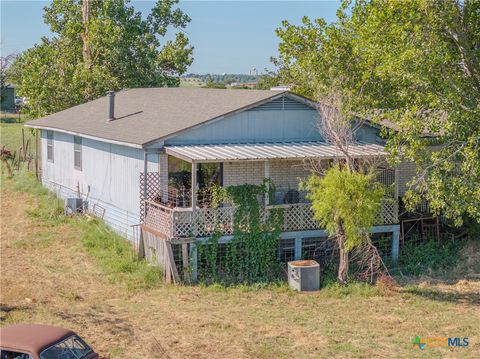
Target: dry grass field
(48,276)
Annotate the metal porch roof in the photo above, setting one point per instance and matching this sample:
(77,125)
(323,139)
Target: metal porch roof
(267,151)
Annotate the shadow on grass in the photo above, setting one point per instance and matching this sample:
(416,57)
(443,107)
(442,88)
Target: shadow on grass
(444,296)
(98,316)
(6,309)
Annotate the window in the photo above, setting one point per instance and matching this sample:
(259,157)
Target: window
(50,146)
(71,348)
(7,354)
(77,152)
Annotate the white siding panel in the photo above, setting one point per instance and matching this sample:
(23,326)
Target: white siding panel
(110,177)
(254,126)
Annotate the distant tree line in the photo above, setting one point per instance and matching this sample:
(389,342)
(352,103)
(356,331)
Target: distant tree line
(225,79)
(263,81)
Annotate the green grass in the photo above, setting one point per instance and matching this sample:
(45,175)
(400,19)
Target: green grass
(72,273)
(112,252)
(49,209)
(11,136)
(9,117)
(114,255)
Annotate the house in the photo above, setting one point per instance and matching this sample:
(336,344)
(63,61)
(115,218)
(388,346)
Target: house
(148,156)
(8,98)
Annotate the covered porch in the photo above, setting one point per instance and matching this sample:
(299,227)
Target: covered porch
(176,201)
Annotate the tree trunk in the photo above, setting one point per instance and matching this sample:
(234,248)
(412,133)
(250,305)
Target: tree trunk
(343,254)
(85,36)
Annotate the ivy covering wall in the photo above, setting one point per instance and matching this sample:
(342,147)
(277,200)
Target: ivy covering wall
(251,256)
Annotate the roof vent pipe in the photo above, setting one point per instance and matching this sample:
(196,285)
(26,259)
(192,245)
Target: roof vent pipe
(111,105)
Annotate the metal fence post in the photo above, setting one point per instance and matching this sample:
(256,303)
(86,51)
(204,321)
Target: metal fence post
(194,261)
(395,245)
(298,248)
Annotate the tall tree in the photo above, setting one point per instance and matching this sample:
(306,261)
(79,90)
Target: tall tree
(99,46)
(414,63)
(345,198)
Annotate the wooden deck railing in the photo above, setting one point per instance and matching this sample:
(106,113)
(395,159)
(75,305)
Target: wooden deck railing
(201,222)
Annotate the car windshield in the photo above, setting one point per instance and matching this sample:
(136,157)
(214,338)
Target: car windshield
(71,348)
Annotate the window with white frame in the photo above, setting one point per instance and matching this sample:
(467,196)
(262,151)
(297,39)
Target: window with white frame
(77,152)
(50,146)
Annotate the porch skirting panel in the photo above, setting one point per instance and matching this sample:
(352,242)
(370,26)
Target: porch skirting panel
(310,245)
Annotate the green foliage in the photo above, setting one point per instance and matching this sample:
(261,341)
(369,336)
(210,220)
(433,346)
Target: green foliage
(8,120)
(268,80)
(114,48)
(252,254)
(427,258)
(222,78)
(346,198)
(215,85)
(207,254)
(415,64)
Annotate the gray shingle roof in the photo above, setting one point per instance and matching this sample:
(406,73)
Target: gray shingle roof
(144,115)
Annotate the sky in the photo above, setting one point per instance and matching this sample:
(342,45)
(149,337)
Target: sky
(228,36)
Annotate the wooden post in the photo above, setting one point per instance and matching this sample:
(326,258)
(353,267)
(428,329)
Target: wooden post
(185,262)
(267,175)
(194,185)
(172,267)
(141,245)
(37,132)
(23,144)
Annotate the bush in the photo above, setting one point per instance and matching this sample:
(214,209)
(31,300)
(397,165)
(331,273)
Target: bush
(428,258)
(8,120)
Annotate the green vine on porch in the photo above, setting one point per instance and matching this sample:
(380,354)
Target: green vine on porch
(251,256)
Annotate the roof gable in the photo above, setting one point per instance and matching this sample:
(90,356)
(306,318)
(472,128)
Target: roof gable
(146,115)
(285,118)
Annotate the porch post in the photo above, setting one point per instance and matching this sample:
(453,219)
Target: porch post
(397,185)
(163,167)
(37,141)
(267,175)
(194,185)
(145,180)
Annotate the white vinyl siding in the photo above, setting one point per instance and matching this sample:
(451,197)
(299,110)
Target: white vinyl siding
(50,146)
(110,177)
(77,153)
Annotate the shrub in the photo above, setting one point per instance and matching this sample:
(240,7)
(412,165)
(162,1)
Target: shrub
(427,258)
(8,120)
